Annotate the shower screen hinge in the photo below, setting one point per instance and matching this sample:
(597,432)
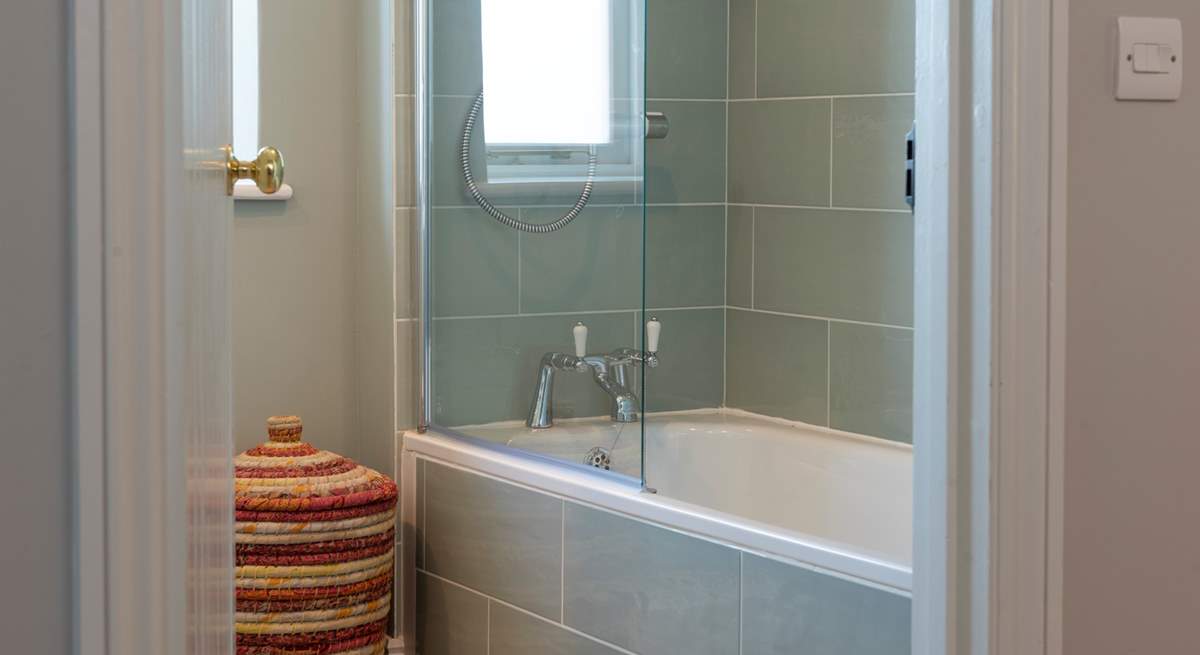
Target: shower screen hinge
(910,169)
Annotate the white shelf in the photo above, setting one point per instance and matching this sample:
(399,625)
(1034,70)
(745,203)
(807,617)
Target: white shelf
(245,190)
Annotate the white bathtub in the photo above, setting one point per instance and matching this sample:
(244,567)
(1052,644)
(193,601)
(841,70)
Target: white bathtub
(830,500)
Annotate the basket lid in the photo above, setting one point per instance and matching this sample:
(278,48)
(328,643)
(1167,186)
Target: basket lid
(286,474)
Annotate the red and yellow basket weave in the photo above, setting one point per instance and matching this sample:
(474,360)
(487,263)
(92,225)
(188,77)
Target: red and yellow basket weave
(314,534)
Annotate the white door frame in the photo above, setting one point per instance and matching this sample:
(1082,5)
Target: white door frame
(991,106)
(990,306)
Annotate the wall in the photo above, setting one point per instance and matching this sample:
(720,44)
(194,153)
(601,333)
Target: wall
(820,283)
(506,570)
(374,247)
(1131,563)
(35,323)
(293,261)
(502,298)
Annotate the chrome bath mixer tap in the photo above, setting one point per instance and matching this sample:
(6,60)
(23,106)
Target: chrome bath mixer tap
(611,372)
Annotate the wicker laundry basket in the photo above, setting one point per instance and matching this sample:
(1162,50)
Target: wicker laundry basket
(315,535)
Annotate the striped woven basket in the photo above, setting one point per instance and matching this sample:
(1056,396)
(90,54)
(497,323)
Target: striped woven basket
(314,534)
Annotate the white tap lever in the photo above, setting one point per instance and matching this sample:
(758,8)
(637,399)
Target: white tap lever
(653,330)
(580,332)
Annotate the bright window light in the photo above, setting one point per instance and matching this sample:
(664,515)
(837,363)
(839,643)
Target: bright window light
(546,72)
(245,79)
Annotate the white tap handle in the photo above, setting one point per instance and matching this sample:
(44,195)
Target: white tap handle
(653,330)
(580,332)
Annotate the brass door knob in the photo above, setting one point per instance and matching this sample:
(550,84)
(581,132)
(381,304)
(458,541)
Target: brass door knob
(266,170)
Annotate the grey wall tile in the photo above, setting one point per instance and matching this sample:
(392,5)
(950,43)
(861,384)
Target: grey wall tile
(474,264)
(445,131)
(407,263)
(685,256)
(450,620)
(688,165)
(788,610)
(516,633)
(406,182)
(497,538)
(690,373)
(868,151)
(419,516)
(456,48)
(742,37)
(685,48)
(739,256)
(406,374)
(808,48)
(779,152)
(403,46)
(870,380)
(776,365)
(484,369)
(841,264)
(647,589)
(592,264)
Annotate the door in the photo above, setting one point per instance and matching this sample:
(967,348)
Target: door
(199,351)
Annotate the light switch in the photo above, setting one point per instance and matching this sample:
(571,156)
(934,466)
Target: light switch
(1149,58)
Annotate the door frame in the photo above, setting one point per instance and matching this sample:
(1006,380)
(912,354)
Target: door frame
(991,106)
(990,316)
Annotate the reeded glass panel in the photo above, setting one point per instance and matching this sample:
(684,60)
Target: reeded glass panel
(536,238)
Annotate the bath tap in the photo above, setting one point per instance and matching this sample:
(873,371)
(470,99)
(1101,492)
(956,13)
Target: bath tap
(610,372)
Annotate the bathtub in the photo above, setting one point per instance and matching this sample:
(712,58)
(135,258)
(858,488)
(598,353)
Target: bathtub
(830,501)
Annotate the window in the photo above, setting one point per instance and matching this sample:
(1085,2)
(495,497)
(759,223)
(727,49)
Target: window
(245,78)
(546,72)
(560,78)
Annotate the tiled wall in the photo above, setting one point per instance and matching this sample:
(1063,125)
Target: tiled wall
(502,298)
(819,250)
(505,570)
(407,259)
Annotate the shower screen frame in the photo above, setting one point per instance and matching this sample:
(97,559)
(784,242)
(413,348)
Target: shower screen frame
(630,169)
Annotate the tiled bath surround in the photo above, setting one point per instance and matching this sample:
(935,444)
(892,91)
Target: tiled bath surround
(505,569)
(775,221)
(819,242)
(779,260)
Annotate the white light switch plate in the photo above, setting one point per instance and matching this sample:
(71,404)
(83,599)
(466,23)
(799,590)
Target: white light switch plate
(1149,44)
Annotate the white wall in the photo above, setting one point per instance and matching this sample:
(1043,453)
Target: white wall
(293,267)
(35,391)
(1132,506)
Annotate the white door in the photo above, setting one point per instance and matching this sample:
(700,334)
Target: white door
(199,353)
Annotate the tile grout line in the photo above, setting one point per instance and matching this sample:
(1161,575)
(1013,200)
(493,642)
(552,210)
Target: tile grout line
(831,152)
(838,96)
(424,514)
(488,640)
(635,312)
(877,210)
(562,561)
(755,51)
(741,597)
(830,319)
(520,239)
(725,290)
(524,611)
(753,251)
(828,373)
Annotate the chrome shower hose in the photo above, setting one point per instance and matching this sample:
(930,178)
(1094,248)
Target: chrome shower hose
(492,210)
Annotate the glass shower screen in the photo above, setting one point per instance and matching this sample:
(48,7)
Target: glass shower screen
(535,210)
